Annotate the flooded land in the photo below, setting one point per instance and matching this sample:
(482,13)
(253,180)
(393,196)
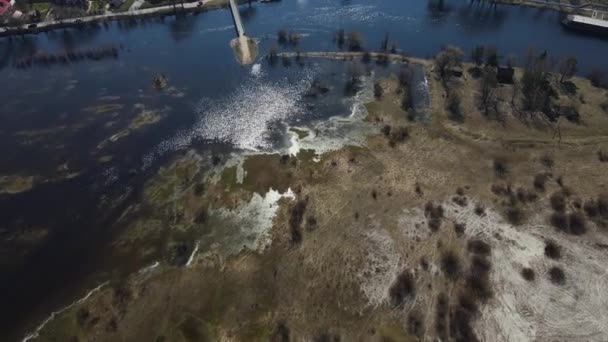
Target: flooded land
(379,172)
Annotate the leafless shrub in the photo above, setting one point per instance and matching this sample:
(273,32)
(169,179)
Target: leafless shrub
(553,250)
(434,215)
(500,167)
(459,229)
(514,215)
(281,333)
(403,288)
(528,274)
(557,276)
(378,91)
(558,201)
(295,220)
(480,247)
(479,210)
(450,265)
(460,200)
(415,324)
(602,156)
(441,314)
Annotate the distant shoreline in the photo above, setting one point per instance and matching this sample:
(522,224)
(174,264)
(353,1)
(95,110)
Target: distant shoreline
(35,28)
(557,6)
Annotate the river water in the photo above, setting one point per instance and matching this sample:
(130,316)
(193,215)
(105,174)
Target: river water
(55,118)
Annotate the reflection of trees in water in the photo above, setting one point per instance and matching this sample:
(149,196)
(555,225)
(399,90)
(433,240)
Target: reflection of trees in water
(182,26)
(70,38)
(439,10)
(13,48)
(481,16)
(247,13)
(475,16)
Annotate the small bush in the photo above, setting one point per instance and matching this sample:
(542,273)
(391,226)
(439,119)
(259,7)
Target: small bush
(602,156)
(441,314)
(398,135)
(500,167)
(311,223)
(479,210)
(539,181)
(558,201)
(514,215)
(415,324)
(378,91)
(434,214)
(547,161)
(479,247)
(404,287)
(553,250)
(559,220)
(557,276)
(199,189)
(528,274)
(479,284)
(386,130)
(572,223)
(201,216)
(450,265)
(524,195)
(590,208)
(577,223)
(454,106)
(281,333)
(295,220)
(459,229)
(460,200)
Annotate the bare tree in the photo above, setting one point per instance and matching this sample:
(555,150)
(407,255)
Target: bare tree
(567,68)
(536,86)
(491,54)
(355,41)
(446,60)
(489,83)
(477,55)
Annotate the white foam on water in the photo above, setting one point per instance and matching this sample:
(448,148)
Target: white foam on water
(256,69)
(329,15)
(36,333)
(241,118)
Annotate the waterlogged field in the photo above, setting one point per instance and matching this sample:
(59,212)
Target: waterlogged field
(164,192)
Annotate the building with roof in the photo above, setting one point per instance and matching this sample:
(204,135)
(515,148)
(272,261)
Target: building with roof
(5,5)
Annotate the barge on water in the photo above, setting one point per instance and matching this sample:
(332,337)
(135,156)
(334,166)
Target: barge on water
(597,23)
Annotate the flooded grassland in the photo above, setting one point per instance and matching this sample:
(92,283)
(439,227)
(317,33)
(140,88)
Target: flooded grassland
(470,228)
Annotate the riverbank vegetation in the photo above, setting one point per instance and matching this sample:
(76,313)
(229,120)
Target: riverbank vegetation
(461,217)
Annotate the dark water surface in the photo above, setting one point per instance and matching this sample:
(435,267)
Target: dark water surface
(48,116)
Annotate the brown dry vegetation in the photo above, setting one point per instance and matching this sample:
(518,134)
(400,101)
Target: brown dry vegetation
(327,282)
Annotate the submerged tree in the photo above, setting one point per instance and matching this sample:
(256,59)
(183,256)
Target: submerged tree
(355,41)
(340,38)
